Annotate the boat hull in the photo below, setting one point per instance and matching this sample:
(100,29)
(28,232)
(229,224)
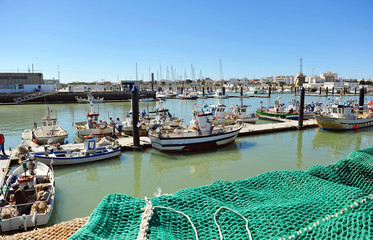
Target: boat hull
(336,124)
(82,130)
(281,115)
(76,160)
(193,143)
(59,136)
(248,120)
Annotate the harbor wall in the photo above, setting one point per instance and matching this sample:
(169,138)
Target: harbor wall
(69,97)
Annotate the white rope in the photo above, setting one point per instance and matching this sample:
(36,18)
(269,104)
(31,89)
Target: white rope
(315,224)
(147,215)
(247,222)
(194,228)
(145,219)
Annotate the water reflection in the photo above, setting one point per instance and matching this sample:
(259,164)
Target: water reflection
(338,142)
(199,163)
(299,149)
(89,170)
(137,162)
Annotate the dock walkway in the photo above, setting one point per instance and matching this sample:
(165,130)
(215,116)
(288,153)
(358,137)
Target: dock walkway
(275,127)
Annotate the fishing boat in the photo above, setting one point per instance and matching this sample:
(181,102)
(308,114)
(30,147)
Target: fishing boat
(49,131)
(219,116)
(189,96)
(162,117)
(239,112)
(343,117)
(89,99)
(219,95)
(279,109)
(144,98)
(89,153)
(92,126)
(201,135)
(31,179)
(255,90)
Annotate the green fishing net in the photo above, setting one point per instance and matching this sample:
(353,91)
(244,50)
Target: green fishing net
(324,202)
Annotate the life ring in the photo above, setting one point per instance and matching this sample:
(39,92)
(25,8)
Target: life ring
(25,179)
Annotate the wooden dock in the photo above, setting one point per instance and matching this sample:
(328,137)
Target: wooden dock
(285,125)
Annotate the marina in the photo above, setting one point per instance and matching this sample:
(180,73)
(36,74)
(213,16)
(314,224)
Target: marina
(145,171)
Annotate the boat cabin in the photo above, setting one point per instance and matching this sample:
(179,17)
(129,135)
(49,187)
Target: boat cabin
(341,111)
(49,125)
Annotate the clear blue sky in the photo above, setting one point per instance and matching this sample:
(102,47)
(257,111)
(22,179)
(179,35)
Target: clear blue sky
(95,40)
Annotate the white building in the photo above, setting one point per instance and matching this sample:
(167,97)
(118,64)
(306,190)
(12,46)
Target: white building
(26,82)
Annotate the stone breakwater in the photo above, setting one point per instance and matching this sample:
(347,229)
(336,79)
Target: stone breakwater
(69,97)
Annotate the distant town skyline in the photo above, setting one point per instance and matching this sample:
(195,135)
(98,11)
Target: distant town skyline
(106,41)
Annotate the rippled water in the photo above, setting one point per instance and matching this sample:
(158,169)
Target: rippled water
(81,187)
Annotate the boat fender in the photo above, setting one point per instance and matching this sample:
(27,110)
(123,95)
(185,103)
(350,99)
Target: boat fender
(35,141)
(356,127)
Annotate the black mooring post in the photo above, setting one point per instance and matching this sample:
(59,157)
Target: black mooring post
(361,100)
(223,90)
(301,108)
(295,91)
(355,90)
(135,116)
(241,94)
(152,81)
(327,91)
(269,92)
(332,90)
(320,91)
(182,90)
(203,91)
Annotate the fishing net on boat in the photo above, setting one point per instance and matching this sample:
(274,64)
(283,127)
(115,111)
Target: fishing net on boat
(324,202)
(39,207)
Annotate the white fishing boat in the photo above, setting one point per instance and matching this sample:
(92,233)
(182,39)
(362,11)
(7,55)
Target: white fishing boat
(219,94)
(27,184)
(220,116)
(49,131)
(239,112)
(201,135)
(89,99)
(92,126)
(343,117)
(90,153)
(255,90)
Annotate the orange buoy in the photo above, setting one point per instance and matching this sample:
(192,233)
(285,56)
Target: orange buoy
(356,127)
(35,141)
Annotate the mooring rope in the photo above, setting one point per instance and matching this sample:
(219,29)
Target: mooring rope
(247,222)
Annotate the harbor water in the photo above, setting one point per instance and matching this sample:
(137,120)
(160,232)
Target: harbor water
(80,188)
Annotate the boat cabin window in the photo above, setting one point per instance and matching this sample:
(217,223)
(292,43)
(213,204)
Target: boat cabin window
(44,124)
(54,122)
(49,123)
(91,145)
(335,110)
(243,110)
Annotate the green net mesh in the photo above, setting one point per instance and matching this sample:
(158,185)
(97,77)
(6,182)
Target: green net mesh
(332,202)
